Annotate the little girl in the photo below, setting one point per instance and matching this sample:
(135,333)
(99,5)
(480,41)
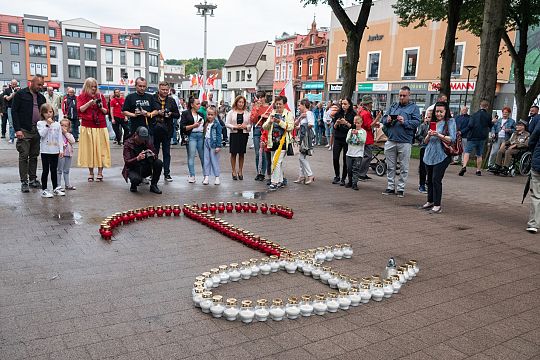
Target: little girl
(356,139)
(64,163)
(212,145)
(51,147)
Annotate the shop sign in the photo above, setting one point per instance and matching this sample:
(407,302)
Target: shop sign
(368,87)
(414,86)
(375,37)
(314,97)
(454,85)
(336,87)
(316,85)
(224,86)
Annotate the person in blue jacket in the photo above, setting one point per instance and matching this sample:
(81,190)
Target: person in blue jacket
(212,146)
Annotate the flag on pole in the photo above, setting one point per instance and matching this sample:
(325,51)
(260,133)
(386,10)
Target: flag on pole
(202,95)
(288,92)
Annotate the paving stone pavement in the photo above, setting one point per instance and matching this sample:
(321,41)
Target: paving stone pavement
(66,294)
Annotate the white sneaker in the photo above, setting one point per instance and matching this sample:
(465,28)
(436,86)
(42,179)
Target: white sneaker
(532,230)
(329,148)
(217,181)
(205,181)
(59,191)
(146,180)
(191,179)
(46,194)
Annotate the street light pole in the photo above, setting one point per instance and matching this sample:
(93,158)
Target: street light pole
(205,10)
(469,69)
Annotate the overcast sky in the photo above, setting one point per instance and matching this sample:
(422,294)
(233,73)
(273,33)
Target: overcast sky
(235,22)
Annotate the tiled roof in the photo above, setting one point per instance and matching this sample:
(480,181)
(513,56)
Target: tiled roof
(116,39)
(267,78)
(5,20)
(58,33)
(246,55)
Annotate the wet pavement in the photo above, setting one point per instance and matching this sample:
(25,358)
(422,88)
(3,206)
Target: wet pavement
(65,293)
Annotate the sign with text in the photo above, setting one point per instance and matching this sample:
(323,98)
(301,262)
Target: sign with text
(454,85)
(316,85)
(335,87)
(366,87)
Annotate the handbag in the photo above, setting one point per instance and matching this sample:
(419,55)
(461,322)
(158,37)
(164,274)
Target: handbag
(290,150)
(452,148)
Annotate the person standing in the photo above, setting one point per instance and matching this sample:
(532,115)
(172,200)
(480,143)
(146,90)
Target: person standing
(119,123)
(500,132)
(401,122)
(258,116)
(435,158)
(238,123)
(368,124)
(52,148)
(211,101)
(64,162)
(343,121)
(192,126)
(462,121)
(534,215)
(25,113)
(94,149)
(172,93)
(69,109)
(212,146)
(318,113)
(53,99)
(477,131)
(304,125)
(139,106)
(421,134)
(3,111)
(162,126)
(329,129)
(356,139)
(9,94)
(533,119)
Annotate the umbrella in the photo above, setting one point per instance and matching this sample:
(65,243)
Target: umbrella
(527,187)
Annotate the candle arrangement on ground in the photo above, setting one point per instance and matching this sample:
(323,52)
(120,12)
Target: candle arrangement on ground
(346,291)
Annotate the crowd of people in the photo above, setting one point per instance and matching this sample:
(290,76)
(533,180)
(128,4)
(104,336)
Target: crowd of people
(147,124)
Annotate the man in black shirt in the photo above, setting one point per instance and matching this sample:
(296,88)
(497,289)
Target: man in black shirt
(477,133)
(8,95)
(139,106)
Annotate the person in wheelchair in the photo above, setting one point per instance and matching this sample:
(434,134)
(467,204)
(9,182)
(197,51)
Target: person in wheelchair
(518,142)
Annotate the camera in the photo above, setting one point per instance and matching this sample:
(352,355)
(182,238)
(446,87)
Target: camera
(148,154)
(278,116)
(98,102)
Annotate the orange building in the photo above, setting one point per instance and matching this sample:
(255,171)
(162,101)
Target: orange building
(392,56)
(284,60)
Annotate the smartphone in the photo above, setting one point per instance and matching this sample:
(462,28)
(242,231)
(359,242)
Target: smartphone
(433,126)
(393,117)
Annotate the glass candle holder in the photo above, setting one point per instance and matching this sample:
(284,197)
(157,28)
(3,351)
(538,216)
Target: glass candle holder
(277,312)
(306,307)
(216,278)
(291,266)
(316,271)
(355,297)
(329,253)
(388,289)
(197,296)
(347,251)
(325,275)
(261,310)
(414,263)
(396,284)
(292,309)
(206,302)
(338,252)
(234,273)
(224,274)
(265,267)
(229,207)
(255,269)
(308,267)
(319,305)
(343,284)
(217,307)
(334,279)
(332,303)
(365,293)
(344,300)
(320,255)
(377,294)
(245,270)
(274,263)
(246,313)
(231,310)
(401,276)
(410,270)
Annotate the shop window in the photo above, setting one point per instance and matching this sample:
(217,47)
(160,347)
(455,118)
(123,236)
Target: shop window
(410,62)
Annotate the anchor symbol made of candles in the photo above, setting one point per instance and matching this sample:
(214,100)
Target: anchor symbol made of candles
(347,291)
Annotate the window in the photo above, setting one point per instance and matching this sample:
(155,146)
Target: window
(52,33)
(284,50)
(278,51)
(74,52)
(1,67)
(410,59)
(90,71)
(122,57)
(310,67)
(276,73)
(458,59)
(108,74)
(373,64)
(299,68)
(291,48)
(243,75)
(37,50)
(79,34)
(153,60)
(136,41)
(108,38)
(153,43)
(321,66)
(54,70)
(74,71)
(44,70)
(137,58)
(153,78)
(122,39)
(122,72)
(16,68)
(341,62)
(136,73)
(14,48)
(52,50)
(228,76)
(13,28)
(289,71)
(283,71)
(90,54)
(238,76)
(35,29)
(108,56)
(312,40)
(263,57)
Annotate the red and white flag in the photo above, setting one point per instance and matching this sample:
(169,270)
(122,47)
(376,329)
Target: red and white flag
(288,92)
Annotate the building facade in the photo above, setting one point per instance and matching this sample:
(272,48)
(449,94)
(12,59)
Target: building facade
(284,60)
(392,56)
(13,49)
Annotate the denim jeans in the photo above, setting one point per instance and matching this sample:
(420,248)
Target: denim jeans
(174,139)
(196,145)
(260,158)
(10,124)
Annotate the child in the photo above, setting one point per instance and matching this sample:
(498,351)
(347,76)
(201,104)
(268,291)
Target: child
(51,147)
(356,139)
(212,145)
(64,163)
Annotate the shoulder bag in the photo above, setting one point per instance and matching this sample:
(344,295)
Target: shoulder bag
(452,148)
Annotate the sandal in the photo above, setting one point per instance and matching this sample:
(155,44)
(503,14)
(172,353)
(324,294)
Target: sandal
(69,187)
(91,178)
(99,178)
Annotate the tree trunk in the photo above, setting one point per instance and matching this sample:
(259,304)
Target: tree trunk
(351,65)
(490,40)
(447,54)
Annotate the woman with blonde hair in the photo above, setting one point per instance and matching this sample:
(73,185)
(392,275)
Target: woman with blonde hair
(239,124)
(94,149)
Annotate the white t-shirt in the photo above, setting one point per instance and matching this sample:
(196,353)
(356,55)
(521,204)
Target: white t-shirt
(502,133)
(208,128)
(308,119)
(199,128)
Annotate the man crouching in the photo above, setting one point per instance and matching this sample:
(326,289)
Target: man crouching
(140,161)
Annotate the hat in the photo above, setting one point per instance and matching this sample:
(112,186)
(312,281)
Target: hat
(366,99)
(142,132)
(522,122)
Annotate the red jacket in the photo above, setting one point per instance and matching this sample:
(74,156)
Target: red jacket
(367,120)
(93,117)
(116,107)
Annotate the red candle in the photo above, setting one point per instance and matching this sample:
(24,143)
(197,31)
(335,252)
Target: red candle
(221,207)
(238,207)
(204,207)
(213,208)
(125,218)
(229,207)
(264,208)
(159,211)
(176,210)
(253,207)
(245,207)
(273,209)
(151,211)
(168,210)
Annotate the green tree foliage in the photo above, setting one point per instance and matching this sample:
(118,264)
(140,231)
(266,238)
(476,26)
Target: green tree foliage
(195,65)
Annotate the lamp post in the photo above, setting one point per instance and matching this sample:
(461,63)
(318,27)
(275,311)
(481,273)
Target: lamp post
(126,36)
(469,69)
(205,10)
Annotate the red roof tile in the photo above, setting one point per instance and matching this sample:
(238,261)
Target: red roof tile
(58,33)
(5,20)
(116,39)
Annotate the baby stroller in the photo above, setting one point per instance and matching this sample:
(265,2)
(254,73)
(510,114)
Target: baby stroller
(378,160)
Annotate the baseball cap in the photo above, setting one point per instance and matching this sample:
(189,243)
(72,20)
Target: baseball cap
(143,132)
(522,122)
(366,99)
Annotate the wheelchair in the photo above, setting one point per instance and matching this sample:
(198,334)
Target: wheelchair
(521,165)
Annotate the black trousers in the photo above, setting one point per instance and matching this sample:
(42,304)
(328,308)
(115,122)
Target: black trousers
(143,169)
(49,162)
(120,128)
(339,146)
(435,174)
(162,139)
(354,165)
(422,171)
(4,122)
